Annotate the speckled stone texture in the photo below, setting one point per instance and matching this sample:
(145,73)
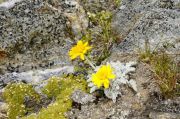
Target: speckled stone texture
(3,109)
(154,21)
(81,97)
(33,36)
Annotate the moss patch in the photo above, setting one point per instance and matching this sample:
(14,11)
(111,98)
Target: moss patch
(52,89)
(15,95)
(62,102)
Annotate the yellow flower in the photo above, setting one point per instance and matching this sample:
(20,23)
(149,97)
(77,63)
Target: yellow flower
(79,50)
(102,76)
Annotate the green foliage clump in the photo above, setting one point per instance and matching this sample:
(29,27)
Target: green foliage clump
(105,37)
(52,89)
(14,94)
(165,70)
(104,19)
(62,102)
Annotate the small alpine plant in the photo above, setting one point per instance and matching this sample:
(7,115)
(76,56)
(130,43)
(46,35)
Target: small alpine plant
(110,77)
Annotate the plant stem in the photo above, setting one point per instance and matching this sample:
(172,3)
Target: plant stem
(90,63)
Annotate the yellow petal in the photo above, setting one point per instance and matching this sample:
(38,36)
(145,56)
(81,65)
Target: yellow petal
(82,56)
(73,57)
(99,85)
(112,76)
(109,70)
(88,48)
(80,42)
(96,81)
(106,83)
(85,44)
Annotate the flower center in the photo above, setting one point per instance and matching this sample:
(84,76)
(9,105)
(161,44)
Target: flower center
(103,76)
(80,49)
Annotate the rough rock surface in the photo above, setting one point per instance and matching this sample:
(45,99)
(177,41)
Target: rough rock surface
(3,110)
(82,98)
(155,115)
(153,21)
(34,77)
(30,33)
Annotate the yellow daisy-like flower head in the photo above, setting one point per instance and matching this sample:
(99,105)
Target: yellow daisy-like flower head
(79,50)
(103,76)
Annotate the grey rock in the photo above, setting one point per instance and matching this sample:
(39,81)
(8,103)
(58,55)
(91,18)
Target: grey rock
(81,97)
(176,4)
(155,21)
(168,106)
(36,76)
(3,110)
(161,115)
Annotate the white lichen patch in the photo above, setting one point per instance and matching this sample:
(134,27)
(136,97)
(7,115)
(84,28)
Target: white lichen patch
(36,76)
(121,70)
(9,4)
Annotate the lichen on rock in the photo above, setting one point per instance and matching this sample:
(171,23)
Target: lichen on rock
(33,36)
(154,21)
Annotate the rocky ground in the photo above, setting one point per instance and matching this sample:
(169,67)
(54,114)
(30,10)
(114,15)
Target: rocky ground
(35,36)
(147,103)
